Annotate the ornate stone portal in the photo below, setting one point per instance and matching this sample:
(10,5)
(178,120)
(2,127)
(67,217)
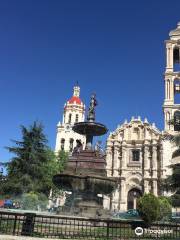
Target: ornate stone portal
(85,175)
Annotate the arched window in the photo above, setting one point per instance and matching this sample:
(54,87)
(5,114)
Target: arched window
(176,59)
(71,141)
(77,118)
(177,121)
(135,155)
(62,143)
(69,119)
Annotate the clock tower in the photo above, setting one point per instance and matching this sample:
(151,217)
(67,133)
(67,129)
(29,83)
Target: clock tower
(74,111)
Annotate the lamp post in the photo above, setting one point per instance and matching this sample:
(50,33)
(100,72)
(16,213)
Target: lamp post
(134,199)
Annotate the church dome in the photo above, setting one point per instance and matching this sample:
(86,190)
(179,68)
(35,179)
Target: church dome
(75,100)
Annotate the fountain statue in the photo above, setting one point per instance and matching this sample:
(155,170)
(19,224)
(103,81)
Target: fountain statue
(85,174)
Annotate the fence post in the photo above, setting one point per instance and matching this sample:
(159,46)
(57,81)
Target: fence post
(107,233)
(28,224)
(14,226)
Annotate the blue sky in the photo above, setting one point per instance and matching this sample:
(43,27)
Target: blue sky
(115,48)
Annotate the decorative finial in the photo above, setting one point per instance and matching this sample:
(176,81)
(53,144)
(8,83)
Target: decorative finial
(91,111)
(76,92)
(125,121)
(139,118)
(153,125)
(132,118)
(145,120)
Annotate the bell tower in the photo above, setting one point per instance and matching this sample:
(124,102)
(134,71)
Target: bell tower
(74,111)
(172,81)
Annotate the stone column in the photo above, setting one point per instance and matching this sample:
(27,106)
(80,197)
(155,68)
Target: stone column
(154,160)
(115,199)
(123,192)
(146,186)
(124,155)
(169,57)
(116,159)
(141,156)
(161,162)
(109,157)
(155,192)
(135,203)
(146,160)
(172,89)
(123,195)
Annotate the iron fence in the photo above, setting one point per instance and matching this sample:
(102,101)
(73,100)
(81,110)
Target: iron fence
(47,226)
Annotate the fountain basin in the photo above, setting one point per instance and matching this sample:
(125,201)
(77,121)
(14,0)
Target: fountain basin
(78,183)
(90,128)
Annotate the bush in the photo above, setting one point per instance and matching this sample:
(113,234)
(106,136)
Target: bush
(149,208)
(33,201)
(165,208)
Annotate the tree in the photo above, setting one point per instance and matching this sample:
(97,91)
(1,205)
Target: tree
(149,208)
(62,158)
(61,162)
(34,164)
(172,183)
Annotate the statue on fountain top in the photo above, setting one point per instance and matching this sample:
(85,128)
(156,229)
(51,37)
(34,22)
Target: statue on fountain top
(91,111)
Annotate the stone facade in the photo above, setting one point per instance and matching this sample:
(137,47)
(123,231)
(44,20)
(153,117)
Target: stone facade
(74,111)
(134,157)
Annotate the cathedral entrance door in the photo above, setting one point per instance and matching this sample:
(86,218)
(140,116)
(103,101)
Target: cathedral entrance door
(132,197)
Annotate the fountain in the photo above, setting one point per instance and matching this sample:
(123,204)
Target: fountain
(85,174)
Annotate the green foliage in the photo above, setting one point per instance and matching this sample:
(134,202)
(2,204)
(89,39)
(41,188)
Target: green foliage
(165,208)
(176,176)
(62,158)
(149,208)
(176,200)
(32,167)
(33,201)
(172,183)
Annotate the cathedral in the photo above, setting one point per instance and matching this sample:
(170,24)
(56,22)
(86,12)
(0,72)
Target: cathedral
(138,154)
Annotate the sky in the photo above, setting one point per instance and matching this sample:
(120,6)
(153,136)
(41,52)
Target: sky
(113,48)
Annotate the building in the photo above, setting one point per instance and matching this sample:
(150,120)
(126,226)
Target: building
(74,111)
(134,157)
(137,153)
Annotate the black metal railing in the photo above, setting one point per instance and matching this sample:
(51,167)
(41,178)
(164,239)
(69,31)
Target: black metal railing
(35,225)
